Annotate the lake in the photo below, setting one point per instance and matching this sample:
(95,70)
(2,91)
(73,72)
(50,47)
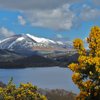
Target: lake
(49,77)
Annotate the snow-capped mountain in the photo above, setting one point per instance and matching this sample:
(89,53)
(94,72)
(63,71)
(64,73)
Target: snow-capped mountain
(41,40)
(26,42)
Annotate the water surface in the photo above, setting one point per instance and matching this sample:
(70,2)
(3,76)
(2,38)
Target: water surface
(52,77)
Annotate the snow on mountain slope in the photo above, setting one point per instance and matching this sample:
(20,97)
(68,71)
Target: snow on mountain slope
(5,40)
(27,42)
(60,43)
(41,40)
(20,39)
(17,40)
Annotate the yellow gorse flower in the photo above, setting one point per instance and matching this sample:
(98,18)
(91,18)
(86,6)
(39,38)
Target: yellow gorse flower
(87,71)
(23,92)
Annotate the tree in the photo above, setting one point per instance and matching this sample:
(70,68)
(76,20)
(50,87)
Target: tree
(87,71)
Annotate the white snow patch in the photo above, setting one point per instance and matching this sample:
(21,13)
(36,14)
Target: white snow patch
(40,40)
(20,39)
(59,42)
(4,40)
(17,40)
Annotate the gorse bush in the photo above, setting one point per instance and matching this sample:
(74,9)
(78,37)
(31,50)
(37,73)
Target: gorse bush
(87,71)
(23,92)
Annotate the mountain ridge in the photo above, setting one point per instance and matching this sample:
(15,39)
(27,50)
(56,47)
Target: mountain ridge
(21,51)
(27,43)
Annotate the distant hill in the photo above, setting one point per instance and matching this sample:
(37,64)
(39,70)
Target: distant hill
(9,59)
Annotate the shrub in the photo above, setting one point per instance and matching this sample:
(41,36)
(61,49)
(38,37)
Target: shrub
(23,92)
(87,71)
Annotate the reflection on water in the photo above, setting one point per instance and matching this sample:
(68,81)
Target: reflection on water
(53,77)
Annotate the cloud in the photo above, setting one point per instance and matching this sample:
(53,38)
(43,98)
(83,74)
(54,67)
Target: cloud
(96,2)
(85,40)
(4,32)
(86,45)
(21,20)
(88,13)
(34,4)
(59,36)
(53,14)
(58,19)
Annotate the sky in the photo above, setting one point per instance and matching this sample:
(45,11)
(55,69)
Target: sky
(68,19)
